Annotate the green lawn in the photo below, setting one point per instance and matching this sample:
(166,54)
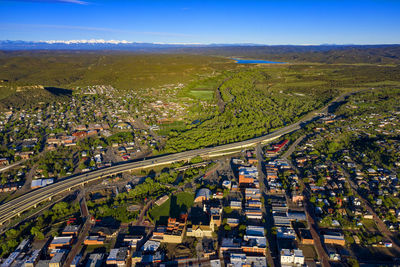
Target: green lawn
(202,94)
(174,206)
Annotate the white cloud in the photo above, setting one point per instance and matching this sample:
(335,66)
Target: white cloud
(90,41)
(79,2)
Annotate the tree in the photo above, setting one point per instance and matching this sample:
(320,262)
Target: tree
(37,233)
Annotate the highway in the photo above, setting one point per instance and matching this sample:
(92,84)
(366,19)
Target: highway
(18,205)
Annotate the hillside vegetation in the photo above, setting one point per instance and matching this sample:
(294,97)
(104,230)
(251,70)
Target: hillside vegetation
(256,100)
(122,70)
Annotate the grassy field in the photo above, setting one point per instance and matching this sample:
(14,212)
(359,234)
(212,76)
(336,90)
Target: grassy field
(123,71)
(173,207)
(202,94)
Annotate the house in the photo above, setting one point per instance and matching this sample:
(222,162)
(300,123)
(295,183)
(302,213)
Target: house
(199,231)
(24,155)
(232,222)
(4,162)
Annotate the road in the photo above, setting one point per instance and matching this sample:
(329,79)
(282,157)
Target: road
(292,147)
(18,205)
(261,179)
(12,165)
(309,210)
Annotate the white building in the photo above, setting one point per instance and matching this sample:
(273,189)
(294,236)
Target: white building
(292,257)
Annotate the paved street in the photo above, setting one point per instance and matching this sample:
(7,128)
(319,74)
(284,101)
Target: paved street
(322,255)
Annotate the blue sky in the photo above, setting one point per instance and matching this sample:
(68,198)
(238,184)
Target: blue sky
(249,21)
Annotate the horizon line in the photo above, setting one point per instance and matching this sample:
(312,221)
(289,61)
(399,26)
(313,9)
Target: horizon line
(125,42)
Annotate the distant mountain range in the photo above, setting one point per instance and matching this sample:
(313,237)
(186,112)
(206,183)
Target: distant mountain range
(327,53)
(100,44)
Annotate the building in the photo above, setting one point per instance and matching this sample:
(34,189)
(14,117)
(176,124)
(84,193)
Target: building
(76,261)
(199,231)
(241,259)
(95,260)
(254,204)
(253,213)
(252,194)
(175,229)
(11,258)
(33,259)
(4,162)
(118,257)
(202,195)
(285,233)
(161,200)
(236,205)
(71,230)
(255,241)
(107,232)
(247,175)
(94,240)
(334,239)
(133,241)
(230,245)
(58,259)
(227,184)
(24,155)
(215,220)
(61,242)
(158,233)
(293,257)
(305,237)
(232,222)
(151,246)
(41,183)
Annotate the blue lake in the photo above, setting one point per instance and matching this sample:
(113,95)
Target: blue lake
(255,61)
